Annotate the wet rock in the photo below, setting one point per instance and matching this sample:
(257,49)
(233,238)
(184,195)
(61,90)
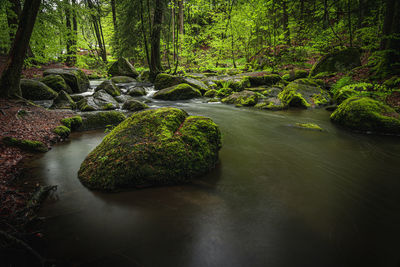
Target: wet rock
(35,90)
(63,101)
(134,105)
(137,91)
(101,119)
(122,67)
(244,98)
(57,83)
(178,92)
(104,100)
(76,79)
(122,79)
(109,87)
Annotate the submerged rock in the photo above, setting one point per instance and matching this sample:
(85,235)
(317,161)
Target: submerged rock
(57,83)
(76,79)
(244,98)
(153,147)
(178,92)
(35,90)
(99,120)
(309,126)
(134,105)
(122,67)
(367,115)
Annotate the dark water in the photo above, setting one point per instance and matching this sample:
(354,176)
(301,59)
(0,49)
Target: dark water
(281,196)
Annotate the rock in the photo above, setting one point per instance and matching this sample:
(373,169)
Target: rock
(144,76)
(62,131)
(202,87)
(224,92)
(350,90)
(122,67)
(244,98)
(137,91)
(178,92)
(236,83)
(104,100)
(109,87)
(339,61)
(134,105)
(63,101)
(272,92)
(102,119)
(164,80)
(72,123)
(154,147)
(122,79)
(295,74)
(123,98)
(304,93)
(77,98)
(87,104)
(367,115)
(76,79)
(269,79)
(270,103)
(210,93)
(28,145)
(35,90)
(309,126)
(57,83)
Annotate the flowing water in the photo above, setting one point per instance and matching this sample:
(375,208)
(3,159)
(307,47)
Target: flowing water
(280,196)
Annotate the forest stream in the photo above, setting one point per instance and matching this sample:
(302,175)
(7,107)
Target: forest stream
(280,196)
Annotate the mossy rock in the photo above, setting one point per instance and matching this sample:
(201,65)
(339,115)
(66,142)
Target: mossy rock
(134,105)
(76,79)
(109,87)
(137,91)
(224,92)
(178,92)
(154,147)
(77,98)
(210,93)
(27,145)
(35,90)
(304,93)
(87,104)
(122,79)
(164,80)
(309,126)
(63,101)
(269,79)
(367,115)
(244,98)
(99,120)
(122,67)
(237,84)
(62,131)
(72,123)
(339,61)
(144,76)
(104,100)
(271,92)
(343,94)
(271,103)
(195,83)
(393,82)
(57,83)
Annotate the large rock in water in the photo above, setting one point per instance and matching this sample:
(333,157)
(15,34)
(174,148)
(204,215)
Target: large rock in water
(153,147)
(343,60)
(109,87)
(76,79)
(367,115)
(35,90)
(104,100)
(63,101)
(178,92)
(244,98)
(122,67)
(57,83)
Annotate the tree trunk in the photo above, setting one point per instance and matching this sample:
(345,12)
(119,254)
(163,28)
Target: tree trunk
(144,33)
(285,21)
(69,42)
(10,79)
(12,17)
(388,23)
(181,17)
(349,23)
(98,31)
(114,15)
(74,33)
(155,62)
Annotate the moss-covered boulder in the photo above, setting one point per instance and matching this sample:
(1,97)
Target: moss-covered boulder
(76,79)
(137,91)
(270,103)
(304,93)
(109,87)
(345,92)
(210,93)
(154,147)
(104,100)
(367,115)
(178,92)
(272,92)
(339,61)
(244,98)
(57,83)
(308,126)
(269,79)
(77,98)
(195,83)
(72,123)
(62,131)
(101,119)
(122,67)
(224,92)
(35,90)
(87,104)
(164,80)
(134,105)
(63,101)
(27,145)
(122,79)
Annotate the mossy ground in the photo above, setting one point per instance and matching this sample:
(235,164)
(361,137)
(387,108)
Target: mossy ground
(28,145)
(62,131)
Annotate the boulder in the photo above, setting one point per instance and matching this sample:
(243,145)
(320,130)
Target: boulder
(270,103)
(57,83)
(122,67)
(339,61)
(202,87)
(269,79)
(244,98)
(76,79)
(102,119)
(210,93)
(367,115)
(63,101)
(122,79)
(154,147)
(304,93)
(137,91)
(134,105)
(104,100)
(178,92)
(123,98)
(164,80)
(109,87)
(345,92)
(35,90)
(87,104)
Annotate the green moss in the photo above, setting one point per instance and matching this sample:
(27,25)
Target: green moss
(28,145)
(35,90)
(134,105)
(286,77)
(83,105)
(224,92)
(63,101)
(76,79)
(109,87)
(343,94)
(244,98)
(122,79)
(72,123)
(62,131)
(153,147)
(57,83)
(210,93)
(100,120)
(178,92)
(367,115)
(311,126)
(393,82)
(108,106)
(122,67)
(164,80)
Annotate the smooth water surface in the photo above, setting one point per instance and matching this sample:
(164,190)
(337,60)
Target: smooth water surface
(280,196)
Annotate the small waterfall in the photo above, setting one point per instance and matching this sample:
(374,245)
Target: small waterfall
(150,91)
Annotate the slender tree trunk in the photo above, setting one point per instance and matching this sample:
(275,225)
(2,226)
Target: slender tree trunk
(173,28)
(388,23)
(155,61)
(74,33)
(98,31)
(285,21)
(114,15)
(67,6)
(12,17)
(10,78)
(325,21)
(349,23)
(144,34)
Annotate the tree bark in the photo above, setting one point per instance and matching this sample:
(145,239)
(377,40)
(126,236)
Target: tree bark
(388,23)
(69,36)
(155,62)
(10,78)
(285,23)
(74,33)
